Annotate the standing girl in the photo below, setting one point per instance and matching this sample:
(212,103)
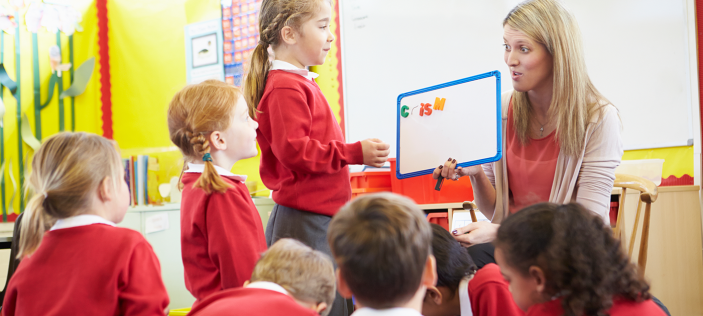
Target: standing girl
(83,264)
(304,158)
(221,232)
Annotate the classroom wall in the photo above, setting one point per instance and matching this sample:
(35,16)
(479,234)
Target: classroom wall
(86,104)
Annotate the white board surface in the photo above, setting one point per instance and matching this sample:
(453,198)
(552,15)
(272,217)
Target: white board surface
(427,140)
(638,54)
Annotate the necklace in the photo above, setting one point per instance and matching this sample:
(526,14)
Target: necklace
(541,128)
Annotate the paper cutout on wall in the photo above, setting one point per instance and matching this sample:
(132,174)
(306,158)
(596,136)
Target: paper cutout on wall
(27,135)
(53,18)
(80,79)
(2,112)
(55,61)
(7,20)
(10,208)
(6,81)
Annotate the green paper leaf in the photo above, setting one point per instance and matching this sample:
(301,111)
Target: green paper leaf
(80,80)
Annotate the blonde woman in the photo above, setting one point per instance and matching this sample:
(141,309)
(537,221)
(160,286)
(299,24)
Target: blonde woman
(561,137)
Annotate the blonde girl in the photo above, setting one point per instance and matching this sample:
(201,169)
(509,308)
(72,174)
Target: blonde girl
(74,260)
(221,232)
(304,157)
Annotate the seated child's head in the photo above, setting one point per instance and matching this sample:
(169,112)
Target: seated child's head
(548,251)
(453,264)
(382,246)
(209,122)
(307,274)
(72,174)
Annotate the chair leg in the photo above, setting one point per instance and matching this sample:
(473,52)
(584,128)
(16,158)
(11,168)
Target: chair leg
(634,229)
(617,232)
(473,215)
(642,260)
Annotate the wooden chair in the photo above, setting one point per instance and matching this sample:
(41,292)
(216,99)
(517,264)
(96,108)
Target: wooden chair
(648,195)
(472,208)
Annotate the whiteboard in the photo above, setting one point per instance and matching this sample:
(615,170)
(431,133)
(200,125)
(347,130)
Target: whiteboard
(638,54)
(431,122)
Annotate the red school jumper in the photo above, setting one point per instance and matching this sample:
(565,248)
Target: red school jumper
(621,307)
(489,294)
(88,270)
(250,301)
(304,156)
(221,236)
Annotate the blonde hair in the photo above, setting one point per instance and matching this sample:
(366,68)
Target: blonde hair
(194,113)
(273,17)
(574,98)
(381,243)
(66,170)
(307,274)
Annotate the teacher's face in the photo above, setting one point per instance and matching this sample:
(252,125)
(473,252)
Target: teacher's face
(530,63)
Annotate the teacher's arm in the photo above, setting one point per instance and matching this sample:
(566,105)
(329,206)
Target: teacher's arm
(602,155)
(482,182)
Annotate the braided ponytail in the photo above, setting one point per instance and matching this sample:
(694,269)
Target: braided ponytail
(273,17)
(194,113)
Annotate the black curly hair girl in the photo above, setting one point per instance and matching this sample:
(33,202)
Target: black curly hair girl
(582,262)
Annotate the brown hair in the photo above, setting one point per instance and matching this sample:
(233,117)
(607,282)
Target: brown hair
(581,259)
(194,113)
(307,274)
(574,98)
(381,243)
(274,15)
(66,170)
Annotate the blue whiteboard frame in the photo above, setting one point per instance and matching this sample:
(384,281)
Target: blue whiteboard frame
(499,127)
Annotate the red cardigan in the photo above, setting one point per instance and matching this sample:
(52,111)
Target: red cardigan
(221,237)
(490,295)
(250,301)
(621,307)
(304,156)
(88,270)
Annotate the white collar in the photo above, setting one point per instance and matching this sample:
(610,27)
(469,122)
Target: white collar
(80,220)
(199,168)
(267,286)
(288,67)
(396,311)
(464,300)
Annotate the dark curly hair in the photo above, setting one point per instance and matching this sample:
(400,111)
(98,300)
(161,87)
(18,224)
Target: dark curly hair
(453,261)
(583,263)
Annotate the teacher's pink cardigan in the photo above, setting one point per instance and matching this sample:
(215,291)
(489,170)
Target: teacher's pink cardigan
(586,179)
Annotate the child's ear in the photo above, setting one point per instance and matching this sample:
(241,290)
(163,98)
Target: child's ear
(216,140)
(433,296)
(246,283)
(106,190)
(342,286)
(288,35)
(321,308)
(538,278)
(429,275)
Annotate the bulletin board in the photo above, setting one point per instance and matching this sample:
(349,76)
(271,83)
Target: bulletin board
(240,24)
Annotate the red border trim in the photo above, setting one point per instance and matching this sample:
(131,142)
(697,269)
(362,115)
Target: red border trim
(339,67)
(672,180)
(104,53)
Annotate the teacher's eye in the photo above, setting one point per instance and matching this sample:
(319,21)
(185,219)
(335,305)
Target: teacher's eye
(507,47)
(524,49)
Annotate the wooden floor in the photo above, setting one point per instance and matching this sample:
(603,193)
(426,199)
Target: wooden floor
(675,253)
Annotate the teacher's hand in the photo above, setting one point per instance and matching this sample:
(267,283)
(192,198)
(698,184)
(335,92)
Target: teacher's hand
(476,233)
(451,172)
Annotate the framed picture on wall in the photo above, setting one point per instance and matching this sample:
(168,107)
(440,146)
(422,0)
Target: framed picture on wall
(205,51)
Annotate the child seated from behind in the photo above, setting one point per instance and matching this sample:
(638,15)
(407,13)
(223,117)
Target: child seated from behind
(290,279)
(460,289)
(382,246)
(562,260)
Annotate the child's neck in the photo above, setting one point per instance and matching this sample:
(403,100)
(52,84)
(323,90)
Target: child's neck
(414,303)
(455,303)
(217,160)
(284,53)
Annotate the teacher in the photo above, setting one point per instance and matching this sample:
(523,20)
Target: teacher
(561,137)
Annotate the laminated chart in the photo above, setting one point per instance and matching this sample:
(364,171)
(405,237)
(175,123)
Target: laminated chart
(240,25)
(460,119)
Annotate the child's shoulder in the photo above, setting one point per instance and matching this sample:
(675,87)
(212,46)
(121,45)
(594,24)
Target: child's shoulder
(249,301)
(279,79)
(488,276)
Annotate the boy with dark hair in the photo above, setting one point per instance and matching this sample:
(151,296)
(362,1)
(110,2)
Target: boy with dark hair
(461,289)
(382,246)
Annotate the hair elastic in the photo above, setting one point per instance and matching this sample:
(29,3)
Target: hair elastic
(207,157)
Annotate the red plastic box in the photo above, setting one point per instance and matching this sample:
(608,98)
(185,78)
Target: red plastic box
(441,219)
(370,182)
(421,189)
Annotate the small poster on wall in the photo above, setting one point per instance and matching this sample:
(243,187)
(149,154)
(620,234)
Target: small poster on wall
(204,51)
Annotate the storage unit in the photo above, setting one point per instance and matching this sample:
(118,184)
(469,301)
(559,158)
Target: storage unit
(421,189)
(367,182)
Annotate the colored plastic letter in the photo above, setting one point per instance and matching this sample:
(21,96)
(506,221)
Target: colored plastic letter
(404,111)
(428,108)
(439,104)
